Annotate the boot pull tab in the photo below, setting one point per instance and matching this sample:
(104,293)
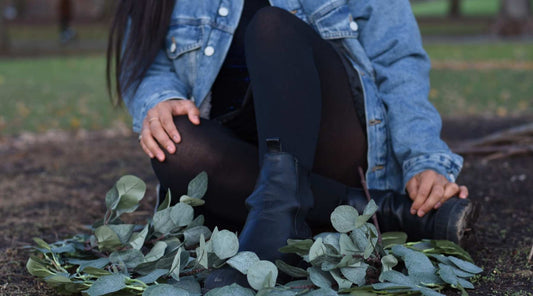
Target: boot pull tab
(273,145)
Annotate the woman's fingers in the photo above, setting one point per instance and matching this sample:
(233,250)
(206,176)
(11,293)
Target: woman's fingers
(436,195)
(424,189)
(463,192)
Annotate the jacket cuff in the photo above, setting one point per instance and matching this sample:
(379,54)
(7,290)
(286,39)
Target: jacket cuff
(446,164)
(152,101)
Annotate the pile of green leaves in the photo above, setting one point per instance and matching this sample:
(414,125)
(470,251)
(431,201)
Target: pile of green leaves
(174,252)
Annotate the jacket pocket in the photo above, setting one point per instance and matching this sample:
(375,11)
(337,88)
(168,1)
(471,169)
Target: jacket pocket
(182,39)
(336,22)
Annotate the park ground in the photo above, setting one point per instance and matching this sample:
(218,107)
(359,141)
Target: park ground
(62,145)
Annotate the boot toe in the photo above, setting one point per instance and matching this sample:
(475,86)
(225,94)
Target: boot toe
(224,277)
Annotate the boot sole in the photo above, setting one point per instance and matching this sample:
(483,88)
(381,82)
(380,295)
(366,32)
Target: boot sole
(465,224)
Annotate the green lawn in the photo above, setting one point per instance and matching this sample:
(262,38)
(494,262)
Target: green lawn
(38,94)
(69,93)
(468,7)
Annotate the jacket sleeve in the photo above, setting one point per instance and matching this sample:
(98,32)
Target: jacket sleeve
(160,83)
(390,36)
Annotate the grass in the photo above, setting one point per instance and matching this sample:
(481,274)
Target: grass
(502,51)
(468,8)
(69,93)
(38,94)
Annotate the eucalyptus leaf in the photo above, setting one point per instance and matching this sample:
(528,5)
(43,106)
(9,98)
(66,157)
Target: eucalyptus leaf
(343,218)
(181,214)
(368,212)
(112,198)
(189,284)
(359,239)
(164,289)
(107,238)
(465,284)
(192,235)
(176,264)
(418,265)
(341,282)
(107,284)
(225,244)
(300,247)
(201,253)
(57,279)
(98,272)
(322,292)
(262,274)
(447,275)
(65,248)
(293,271)
(42,244)
(356,275)
(233,290)
(130,258)
(137,239)
(157,251)
(162,222)
(38,269)
(192,201)
(198,186)
(464,265)
(123,231)
(299,285)
(243,260)
(131,190)
(95,263)
(166,202)
(347,247)
(319,278)
(388,262)
(451,248)
(393,238)
(317,249)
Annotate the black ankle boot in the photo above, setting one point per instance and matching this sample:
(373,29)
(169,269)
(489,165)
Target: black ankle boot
(278,208)
(450,222)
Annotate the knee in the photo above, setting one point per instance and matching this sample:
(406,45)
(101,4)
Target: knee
(266,25)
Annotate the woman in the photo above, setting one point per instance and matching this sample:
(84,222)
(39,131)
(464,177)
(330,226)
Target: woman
(281,102)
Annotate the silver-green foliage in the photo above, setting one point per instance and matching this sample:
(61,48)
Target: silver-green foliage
(173,253)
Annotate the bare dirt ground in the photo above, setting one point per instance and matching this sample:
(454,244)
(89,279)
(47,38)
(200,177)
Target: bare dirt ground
(52,185)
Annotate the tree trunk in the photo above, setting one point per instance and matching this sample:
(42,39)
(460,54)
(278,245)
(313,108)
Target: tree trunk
(455,8)
(4,37)
(514,18)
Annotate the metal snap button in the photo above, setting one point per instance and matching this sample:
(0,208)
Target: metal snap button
(223,11)
(209,51)
(354,26)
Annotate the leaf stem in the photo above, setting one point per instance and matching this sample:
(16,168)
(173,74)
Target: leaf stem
(365,188)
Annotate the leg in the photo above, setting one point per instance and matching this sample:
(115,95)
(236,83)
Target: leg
(230,163)
(303,96)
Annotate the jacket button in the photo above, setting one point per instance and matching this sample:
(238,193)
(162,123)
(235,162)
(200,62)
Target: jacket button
(223,11)
(354,26)
(173,45)
(209,51)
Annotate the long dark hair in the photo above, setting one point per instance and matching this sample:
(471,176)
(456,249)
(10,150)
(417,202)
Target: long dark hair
(149,20)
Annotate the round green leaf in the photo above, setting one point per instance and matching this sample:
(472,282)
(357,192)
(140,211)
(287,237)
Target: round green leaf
(157,251)
(164,289)
(262,274)
(107,284)
(464,265)
(233,290)
(319,278)
(243,260)
(181,214)
(37,269)
(343,218)
(225,244)
(198,186)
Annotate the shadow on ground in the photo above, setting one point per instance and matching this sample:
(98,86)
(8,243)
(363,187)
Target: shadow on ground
(53,185)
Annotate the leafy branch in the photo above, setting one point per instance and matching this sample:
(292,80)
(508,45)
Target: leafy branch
(174,252)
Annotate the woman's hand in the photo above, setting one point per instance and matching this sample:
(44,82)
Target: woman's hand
(159,130)
(429,190)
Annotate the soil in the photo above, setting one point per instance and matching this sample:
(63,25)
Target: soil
(53,185)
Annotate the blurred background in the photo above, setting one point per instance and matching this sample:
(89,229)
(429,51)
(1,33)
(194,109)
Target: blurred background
(52,62)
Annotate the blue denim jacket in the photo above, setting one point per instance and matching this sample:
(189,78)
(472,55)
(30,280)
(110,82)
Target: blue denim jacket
(382,42)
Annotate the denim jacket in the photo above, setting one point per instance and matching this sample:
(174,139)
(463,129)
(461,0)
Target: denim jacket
(383,43)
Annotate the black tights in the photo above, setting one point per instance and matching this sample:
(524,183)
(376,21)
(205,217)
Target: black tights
(302,95)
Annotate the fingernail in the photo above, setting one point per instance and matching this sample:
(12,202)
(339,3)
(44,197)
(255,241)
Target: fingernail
(175,138)
(170,148)
(438,205)
(413,211)
(160,156)
(421,213)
